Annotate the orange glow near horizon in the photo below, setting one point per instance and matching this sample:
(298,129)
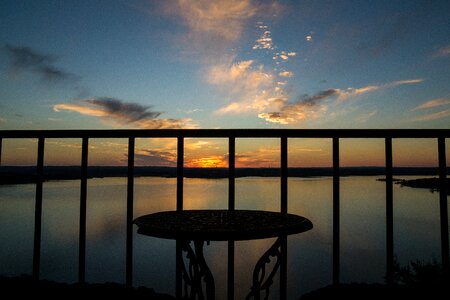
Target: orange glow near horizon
(306,153)
(362,152)
(417,152)
(258,153)
(207,162)
(62,152)
(20,152)
(206,153)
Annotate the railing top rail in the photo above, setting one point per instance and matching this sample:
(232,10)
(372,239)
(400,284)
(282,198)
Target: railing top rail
(224,133)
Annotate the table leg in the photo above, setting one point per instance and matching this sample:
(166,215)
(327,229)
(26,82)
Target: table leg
(262,278)
(197,272)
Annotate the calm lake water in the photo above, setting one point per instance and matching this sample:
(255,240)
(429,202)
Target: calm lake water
(416,230)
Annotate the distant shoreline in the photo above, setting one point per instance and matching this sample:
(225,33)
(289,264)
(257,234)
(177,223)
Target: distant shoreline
(27,174)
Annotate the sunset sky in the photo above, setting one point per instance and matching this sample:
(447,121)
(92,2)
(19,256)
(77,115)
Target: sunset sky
(224,64)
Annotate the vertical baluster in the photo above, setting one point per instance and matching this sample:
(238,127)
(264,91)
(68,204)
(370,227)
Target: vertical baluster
(443,205)
(336,222)
(231,172)
(180,172)
(230,284)
(284,174)
(284,210)
(389,213)
(231,206)
(283,268)
(38,209)
(130,195)
(1,151)
(83,199)
(179,269)
(179,258)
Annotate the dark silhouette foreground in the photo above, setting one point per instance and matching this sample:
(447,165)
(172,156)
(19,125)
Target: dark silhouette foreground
(379,291)
(417,280)
(26,286)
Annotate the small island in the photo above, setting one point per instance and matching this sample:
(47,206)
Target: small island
(433,184)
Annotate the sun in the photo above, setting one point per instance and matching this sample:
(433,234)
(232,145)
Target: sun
(208,162)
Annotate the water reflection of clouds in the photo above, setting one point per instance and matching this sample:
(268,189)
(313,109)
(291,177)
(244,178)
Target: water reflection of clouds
(106,227)
(154,194)
(264,196)
(202,194)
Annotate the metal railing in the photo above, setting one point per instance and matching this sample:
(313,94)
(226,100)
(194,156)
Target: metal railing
(232,134)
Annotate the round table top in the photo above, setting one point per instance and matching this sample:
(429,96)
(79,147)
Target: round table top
(220,225)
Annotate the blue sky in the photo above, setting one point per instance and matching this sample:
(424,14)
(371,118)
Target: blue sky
(224,64)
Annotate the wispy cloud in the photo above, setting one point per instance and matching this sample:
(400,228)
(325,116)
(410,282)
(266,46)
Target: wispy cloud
(198,144)
(212,26)
(254,89)
(262,157)
(306,108)
(433,103)
(194,110)
(25,59)
(312,107)
(441,52)
(235,72)
(122,113)
(365,117)
(225,19)
(155,157)
(308,149)
(434,116)
(55,119)
(353,92)
(401,82)
(63,144)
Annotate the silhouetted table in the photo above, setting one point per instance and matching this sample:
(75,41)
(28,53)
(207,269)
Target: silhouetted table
(199,226)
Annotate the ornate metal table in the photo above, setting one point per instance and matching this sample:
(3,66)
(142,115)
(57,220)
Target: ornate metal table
(200,226)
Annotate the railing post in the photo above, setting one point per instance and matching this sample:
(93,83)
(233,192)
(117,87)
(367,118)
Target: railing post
(283,267)
(1,151)
(231,206)
(443,206)
(180,171)
(179,269)
(83,199)
(284,174)
(130,196)
(230,274)
(389,213)
(336,222)
(38,209)
(231,172)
